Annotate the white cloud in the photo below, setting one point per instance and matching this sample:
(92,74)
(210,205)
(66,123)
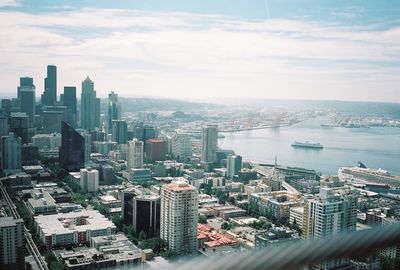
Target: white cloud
(186,55)
(9,3)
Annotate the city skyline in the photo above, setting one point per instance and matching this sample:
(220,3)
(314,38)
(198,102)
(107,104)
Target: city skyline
(335,52)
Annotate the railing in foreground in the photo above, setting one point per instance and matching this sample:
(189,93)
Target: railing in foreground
(302,253)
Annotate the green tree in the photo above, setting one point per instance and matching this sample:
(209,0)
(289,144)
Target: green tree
(142,236)
(203,219)
(232,200)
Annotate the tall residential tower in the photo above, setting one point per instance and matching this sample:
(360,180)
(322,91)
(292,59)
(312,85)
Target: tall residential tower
(178,222)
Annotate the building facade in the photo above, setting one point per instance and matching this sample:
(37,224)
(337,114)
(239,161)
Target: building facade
(135,154)
(12,243)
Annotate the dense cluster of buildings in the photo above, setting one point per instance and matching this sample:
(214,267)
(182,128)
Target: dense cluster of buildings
(97,165)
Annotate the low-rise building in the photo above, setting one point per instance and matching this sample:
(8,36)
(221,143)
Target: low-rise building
(72,228)
(41,203)
(275,204)
(274,236)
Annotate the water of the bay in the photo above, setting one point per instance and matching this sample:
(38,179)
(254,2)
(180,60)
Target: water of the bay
(376,147)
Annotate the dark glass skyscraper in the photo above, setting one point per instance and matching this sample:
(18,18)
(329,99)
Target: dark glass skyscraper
(69,99)
(72,150)
(49,96)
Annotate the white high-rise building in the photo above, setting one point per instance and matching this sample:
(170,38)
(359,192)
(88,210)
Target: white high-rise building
(89,180)
(181,146)
(135,154)
(332,211)
(178,221)
(209,144)
(10,153)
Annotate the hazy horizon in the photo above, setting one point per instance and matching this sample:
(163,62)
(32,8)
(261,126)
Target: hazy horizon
(297,50)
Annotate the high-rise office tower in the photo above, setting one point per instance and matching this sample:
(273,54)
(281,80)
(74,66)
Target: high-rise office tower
(3,125)
(27,97)
(119,131)
(72,150)
(52,116)
(49,96)
(24,82)
(69,101)
(19,124)
(89,181)
(233,165)
(146,214)
(12,243)
(332,211)
(135,154)
(178,222)
(181,146)
(11,153)
(209,144)
(6,106)
(90,106)
(156,150)
(114,109)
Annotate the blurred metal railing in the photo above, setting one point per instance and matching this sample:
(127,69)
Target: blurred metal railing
(297,254)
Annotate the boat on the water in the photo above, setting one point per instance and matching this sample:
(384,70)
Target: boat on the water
(307,144)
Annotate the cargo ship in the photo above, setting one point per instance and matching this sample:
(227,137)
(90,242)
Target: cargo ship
(307,144)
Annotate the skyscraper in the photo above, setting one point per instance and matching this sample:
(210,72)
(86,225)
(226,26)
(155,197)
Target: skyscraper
(19,125)
(178,222)
(119,131)
(89,181)
(12,243)
(72,150)
(233,165)
(6,106)
(114,109)
(49,96)
(24,82)
(11,153)
(27,98)
(69,99)
(90,106)
(3,125)
(135,154)
(209,144)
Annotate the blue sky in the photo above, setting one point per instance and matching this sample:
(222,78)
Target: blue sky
(344,50)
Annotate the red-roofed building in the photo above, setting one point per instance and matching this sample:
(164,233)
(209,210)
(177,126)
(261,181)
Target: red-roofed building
(210,238)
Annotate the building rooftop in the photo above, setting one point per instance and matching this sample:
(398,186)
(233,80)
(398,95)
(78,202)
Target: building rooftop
(64,223)
(180,186)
